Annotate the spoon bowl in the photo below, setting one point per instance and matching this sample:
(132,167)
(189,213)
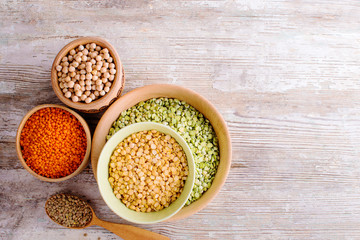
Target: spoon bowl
(127,232)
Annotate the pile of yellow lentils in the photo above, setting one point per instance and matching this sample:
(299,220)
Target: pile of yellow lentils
(148,171)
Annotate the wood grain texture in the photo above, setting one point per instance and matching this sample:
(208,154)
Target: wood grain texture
(284,74)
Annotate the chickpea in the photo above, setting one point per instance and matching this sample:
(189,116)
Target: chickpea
(75,64)
(106,55)
(93,54)
(71,84)
(99,87)
(82,66)
(78,93)
(83,97)
(103,70)
(93,45)
(106,75)
(75,98)
(77,87)
(88,100)
(92,96)
(71,69)
(84,73)
(67,94)
(105,51)
(112,71)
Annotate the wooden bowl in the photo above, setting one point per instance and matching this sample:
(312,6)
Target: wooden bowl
(197,101)
(106,100)
(84,162)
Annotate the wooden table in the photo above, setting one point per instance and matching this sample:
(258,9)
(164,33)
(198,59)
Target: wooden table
(284,74)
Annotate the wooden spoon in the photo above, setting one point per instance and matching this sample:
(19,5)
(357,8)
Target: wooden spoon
(127,232)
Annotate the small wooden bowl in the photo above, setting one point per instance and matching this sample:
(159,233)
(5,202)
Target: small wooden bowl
(197,101)
(115,90)
(83,164)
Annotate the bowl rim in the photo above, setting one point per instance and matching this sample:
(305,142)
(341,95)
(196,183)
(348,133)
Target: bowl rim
(103,172)
(118,82)
(86,158)
(158,90)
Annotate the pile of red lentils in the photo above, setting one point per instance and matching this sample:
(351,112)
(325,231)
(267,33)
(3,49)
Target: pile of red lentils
(53,142)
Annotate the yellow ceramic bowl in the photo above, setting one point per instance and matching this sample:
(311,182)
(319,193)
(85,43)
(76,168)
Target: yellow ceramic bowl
(103,174)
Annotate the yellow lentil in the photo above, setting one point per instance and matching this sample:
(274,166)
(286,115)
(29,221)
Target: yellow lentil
(147,171)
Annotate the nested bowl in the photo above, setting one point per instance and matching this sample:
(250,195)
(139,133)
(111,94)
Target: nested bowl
(103,102)
(106,191)
(85,160)
(197,101)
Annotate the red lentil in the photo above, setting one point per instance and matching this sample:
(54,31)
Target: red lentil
(53,142)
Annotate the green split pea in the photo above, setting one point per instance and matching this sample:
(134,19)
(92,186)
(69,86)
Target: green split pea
(190,124)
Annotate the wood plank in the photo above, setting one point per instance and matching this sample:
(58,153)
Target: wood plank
(284,75)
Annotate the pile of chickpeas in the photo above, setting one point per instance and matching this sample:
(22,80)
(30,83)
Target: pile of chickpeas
(86,73)
(147,171)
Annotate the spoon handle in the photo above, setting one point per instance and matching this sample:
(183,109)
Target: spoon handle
(128,232)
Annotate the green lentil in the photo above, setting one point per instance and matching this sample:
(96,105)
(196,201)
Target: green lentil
(190,124)
(68,210)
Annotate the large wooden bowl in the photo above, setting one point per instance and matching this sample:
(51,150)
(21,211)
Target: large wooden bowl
(115,90)
(197,101)
(84,162)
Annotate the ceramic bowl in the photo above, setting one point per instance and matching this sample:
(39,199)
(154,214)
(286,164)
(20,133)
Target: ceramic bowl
(115,90)
(103,174)
(84,162)
(197,101)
